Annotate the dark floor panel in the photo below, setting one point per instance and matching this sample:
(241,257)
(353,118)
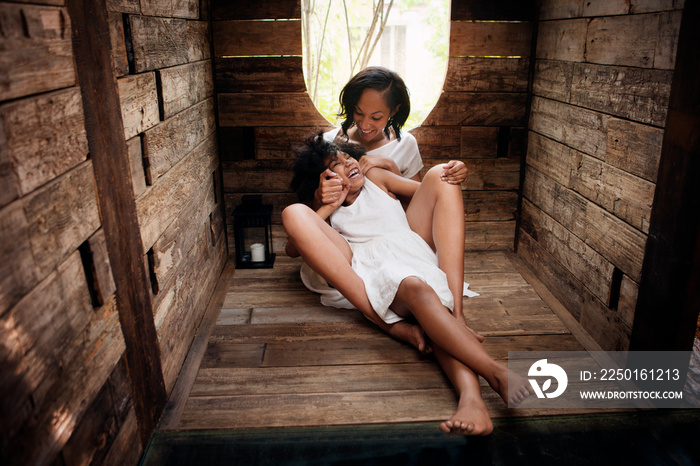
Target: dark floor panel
(648,438)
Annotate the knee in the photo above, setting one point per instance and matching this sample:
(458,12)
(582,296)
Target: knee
(416,289)
(434,177)
(294,215)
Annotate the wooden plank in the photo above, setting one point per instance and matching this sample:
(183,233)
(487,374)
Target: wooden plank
(274,109)
(138,175)
(256,38)
(18,272)
(489,236)
(126,447)
(553,79)
(185,85)
(109,154)
(36,332)
(487,174)
(196,287)
(511,10)
(633,40)
(124,6)
(186,379)
(613,7)
(36,54)
(263,176)
(635,93)
(278,201)
(163,201)
(102,280)
(472,74)
(489,206)
(576,127)
(138,98)
(441,142)
(61,215)
(620,243)
(198,42)
(563,40)
(158,42)
(629,290)
(477,142)
(172,9)
(490,39)
(478,109)
(620,193)
(551,158)
(277,142)
(634,147)
(287,380)
(116,33)
(167,143)
(259,74)
(672,262)
(256,9)
(43,136)
(558,9)
(8,179)
(87,364)
(592,269)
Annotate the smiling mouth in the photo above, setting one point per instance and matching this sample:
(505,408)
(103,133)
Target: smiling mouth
(354,173)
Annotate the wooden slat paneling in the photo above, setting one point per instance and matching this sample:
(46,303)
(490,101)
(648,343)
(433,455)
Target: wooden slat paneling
(256,38)
(259,74)
(37,54)
(185,85)
(490,39)
(158,42)
(489,10)
(473,74)
(487,109)
(255,9)
(268,109)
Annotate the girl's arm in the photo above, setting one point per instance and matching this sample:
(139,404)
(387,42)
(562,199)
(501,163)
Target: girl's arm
(396,185)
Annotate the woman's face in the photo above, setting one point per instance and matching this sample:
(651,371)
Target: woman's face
(371,116)
(348,169)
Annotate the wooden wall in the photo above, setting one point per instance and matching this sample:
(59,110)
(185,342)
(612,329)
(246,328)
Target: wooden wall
(78,385)
(601,88)
(263,108)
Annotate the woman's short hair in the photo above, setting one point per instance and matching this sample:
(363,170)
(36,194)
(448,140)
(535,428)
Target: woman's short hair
(310,162)
(385,81)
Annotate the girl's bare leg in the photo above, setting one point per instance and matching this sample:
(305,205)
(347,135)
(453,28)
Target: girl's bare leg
(436,213)
(417,298)
(327,252)
(472,416)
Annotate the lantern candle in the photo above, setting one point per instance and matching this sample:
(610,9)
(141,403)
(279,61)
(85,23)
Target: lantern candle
(257,252)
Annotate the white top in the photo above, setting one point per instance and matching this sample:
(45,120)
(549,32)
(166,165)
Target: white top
(403,152)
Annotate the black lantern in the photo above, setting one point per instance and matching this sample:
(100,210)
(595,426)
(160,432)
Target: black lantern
(253,233)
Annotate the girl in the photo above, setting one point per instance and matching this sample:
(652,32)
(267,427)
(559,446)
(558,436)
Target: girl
(385,262)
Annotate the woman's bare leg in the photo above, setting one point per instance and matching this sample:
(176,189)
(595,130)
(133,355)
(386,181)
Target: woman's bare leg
(417,298)
(436,213)
(472,416)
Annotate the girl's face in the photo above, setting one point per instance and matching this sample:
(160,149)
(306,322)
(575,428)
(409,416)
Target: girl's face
(348,169)
(371,116)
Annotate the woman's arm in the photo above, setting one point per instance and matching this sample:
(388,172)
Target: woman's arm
(367,162)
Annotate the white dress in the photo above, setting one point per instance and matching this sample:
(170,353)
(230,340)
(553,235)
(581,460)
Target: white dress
(385,249)
(407,157)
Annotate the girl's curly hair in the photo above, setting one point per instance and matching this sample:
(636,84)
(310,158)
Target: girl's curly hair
(311,161)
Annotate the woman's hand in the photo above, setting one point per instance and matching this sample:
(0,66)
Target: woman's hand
(368,162)
(454,172)
(329,188)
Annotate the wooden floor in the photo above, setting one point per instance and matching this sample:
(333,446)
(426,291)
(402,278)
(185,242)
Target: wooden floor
(269,355)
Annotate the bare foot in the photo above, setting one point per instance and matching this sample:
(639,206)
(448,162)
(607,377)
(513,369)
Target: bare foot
(413,335)
(472,418)
(511,387)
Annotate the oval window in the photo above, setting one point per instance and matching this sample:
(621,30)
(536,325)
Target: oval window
(341,37)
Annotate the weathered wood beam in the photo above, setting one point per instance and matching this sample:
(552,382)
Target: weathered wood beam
(109,153)
(669,290)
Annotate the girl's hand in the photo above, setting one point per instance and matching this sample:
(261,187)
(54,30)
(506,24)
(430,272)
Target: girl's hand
(368,162)
(336,199)
(329,187)
(454,172)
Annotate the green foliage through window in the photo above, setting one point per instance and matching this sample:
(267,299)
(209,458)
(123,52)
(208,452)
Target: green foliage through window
(341,37)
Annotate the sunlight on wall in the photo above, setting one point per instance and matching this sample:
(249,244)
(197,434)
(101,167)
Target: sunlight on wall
(341,37)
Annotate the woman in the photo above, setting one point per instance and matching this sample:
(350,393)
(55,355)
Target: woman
(385,262)
(375,104)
